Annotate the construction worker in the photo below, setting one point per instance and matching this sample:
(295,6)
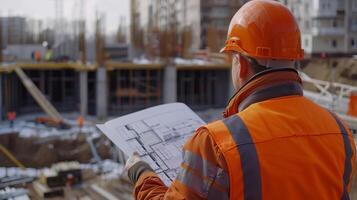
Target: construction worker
(37,56)
(352,105)
(273,143)
(80,122)
(11,116)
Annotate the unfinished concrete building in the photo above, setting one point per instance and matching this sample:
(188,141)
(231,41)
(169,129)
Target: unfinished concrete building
(116,88)
(13,30)
(61,84)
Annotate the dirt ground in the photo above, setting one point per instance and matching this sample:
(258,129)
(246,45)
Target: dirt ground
(119,188)
(39,152)
(342,70)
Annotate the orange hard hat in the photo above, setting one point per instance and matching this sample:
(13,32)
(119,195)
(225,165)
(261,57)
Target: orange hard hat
(264,29)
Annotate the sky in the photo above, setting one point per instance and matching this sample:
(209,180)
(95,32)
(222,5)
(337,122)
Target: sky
(45,10)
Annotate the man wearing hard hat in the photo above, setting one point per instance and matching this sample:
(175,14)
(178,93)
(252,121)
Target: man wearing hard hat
(273,143)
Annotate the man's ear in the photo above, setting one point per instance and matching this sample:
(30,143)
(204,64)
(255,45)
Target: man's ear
(244,67)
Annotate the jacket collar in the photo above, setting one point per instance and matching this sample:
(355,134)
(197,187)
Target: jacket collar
(266,85)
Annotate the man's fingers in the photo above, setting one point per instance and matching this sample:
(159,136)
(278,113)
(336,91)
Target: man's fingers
(132,160)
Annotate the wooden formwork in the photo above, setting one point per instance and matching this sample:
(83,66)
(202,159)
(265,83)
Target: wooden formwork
(133,86)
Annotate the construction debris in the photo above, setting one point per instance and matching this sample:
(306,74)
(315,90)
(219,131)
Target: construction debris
(69,180)
(58,174)
(14,194)
(46,192)
(12,181)
(41,152)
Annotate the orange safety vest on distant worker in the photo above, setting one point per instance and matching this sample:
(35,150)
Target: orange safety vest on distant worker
(11,116)
(273,144)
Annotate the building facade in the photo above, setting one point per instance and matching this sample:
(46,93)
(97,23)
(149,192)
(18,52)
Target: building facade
(13,30)
(327,26)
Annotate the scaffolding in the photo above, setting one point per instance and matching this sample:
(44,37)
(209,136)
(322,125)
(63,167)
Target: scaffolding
(215,18)
(134,89)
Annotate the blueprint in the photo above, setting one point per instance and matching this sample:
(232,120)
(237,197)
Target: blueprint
(157,134)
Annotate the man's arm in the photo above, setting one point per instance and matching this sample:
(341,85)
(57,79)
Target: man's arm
(203,174)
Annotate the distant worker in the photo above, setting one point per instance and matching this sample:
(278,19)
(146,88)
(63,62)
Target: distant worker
(37,56)
(80,122)
(273,143)
(49,54)
(33,56)
(11,116)
(352,105)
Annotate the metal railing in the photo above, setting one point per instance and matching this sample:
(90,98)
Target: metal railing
(331,95)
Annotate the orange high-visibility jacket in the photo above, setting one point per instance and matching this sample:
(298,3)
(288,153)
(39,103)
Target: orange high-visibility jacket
(273,144)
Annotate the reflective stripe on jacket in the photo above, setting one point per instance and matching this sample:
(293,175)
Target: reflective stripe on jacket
(280,145)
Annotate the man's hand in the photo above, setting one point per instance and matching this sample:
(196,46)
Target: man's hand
(132,160)
(134,167)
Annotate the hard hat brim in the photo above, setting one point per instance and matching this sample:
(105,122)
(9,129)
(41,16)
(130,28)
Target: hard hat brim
(238,49)
(232,49)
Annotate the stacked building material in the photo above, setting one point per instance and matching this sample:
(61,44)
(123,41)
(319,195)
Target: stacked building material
(53,181)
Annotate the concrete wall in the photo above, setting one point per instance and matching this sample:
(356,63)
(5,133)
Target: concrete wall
(325,44)
(23,52)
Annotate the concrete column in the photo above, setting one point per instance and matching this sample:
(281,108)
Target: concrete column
(83,92)
(102,93)
(170,84)
(1,100)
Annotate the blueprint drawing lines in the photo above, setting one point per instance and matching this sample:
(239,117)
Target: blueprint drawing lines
(157,134)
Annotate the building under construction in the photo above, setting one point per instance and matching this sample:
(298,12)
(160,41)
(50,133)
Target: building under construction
(115,89)
(119,88)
